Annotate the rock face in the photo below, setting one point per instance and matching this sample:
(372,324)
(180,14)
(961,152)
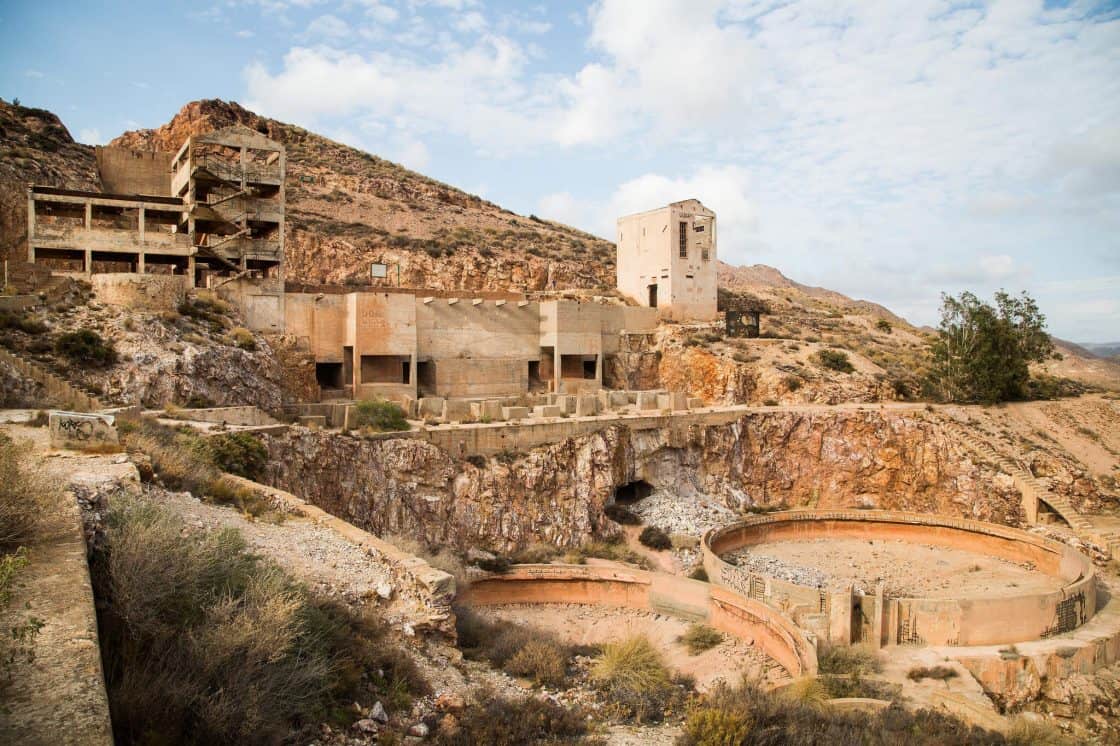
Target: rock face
(557,493)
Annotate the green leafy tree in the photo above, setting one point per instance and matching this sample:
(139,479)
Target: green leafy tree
(983,352)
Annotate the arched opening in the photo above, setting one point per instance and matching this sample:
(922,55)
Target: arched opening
(632,492)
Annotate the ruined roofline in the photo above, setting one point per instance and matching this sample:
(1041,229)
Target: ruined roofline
(678,203)
(299,287)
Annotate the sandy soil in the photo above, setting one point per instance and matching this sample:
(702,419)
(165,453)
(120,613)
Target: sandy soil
(905,569)
(587,625)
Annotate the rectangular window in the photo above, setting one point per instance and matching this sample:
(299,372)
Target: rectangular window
(684,240)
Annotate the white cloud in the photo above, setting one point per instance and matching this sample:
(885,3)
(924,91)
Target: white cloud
(380,12)
(245,34)
(328,26)
(33,74)
(91,136)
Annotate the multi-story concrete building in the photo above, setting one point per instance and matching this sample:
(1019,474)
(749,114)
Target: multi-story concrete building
(667,260)
(217,209)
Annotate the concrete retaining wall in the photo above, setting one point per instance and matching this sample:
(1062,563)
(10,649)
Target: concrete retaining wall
(693,600)
(926,621)
(248,416)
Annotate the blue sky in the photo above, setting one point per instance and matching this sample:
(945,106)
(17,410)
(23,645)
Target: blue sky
(889,150)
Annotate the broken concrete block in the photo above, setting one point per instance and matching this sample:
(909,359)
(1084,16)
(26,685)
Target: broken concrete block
(546,410)
(313,420)
(567,403)
(81,430)
(587,405)
(515,413)
(647,400)
(456,410)
(695,402)
(430,406)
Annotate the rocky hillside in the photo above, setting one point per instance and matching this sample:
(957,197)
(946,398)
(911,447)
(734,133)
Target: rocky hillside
(347,209)
(35,148)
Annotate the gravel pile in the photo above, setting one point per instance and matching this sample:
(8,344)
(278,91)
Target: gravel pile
(776,568)
(683,515)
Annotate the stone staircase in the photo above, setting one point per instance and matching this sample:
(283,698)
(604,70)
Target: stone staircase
(73,396)
(1039,490)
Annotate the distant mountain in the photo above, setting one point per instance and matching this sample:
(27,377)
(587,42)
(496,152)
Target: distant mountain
(1102,349)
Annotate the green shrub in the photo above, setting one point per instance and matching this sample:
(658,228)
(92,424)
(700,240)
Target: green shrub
(87,348)
(21,322)
(835,360)
(238,453)
(700,637)
(884,326)
(793,383)
(711,726)
(655,538)
(634,678)
(179,457)
(205,643)
(380,415)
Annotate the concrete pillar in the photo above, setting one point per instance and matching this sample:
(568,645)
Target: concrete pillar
(190,271)
(556,370)
(140,263)
(30,226)
(141,225)
(877,614)
(412,375)
(89,215)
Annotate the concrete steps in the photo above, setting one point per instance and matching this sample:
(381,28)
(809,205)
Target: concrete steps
(74,396)
(1040,490)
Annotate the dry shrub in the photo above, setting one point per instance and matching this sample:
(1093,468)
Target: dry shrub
(621,514)
(242,338)
(542,661)
(179,457)
(700,637)
(501,721)
(535,554)
(848,659)
(1030,732)
(613,551)
(807,691)
(938,673)
(25,495)
(205,643)
(655,538)
(634,677)
(782,719)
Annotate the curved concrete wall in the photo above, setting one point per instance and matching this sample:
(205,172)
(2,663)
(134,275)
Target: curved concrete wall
(976,620)
(721,608)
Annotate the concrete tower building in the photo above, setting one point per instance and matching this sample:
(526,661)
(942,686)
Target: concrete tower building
(667,260)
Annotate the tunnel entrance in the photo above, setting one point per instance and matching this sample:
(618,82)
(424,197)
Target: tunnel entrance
(632,492)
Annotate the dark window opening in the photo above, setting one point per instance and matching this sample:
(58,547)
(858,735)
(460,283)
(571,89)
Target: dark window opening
(329,375)
(653,296)
(683,238)
(632,492)
(426,378)
(385,369)
(589,367)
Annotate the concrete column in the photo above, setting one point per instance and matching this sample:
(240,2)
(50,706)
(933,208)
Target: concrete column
(599,369)
(190,271)
(412,375)
(556,368)
(140,263)
(30,226)
(89,255)
(89,215)
(141,225)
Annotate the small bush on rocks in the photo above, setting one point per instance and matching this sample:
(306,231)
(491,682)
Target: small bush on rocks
(243,338)
(621,514)
(938,673)
(380,415)
(835,360)
(655,538)
(86,347)
(238,453)
(502,721)
(546,663)
(700,637)
(857,659)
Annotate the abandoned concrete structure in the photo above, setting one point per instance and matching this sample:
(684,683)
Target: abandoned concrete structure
(215,208)
(395,344)
(667,260)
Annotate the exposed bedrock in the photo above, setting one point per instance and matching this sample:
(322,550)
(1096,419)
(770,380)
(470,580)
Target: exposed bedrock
(898,461)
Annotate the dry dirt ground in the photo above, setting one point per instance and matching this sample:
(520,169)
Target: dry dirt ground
(905,569)
(585,625)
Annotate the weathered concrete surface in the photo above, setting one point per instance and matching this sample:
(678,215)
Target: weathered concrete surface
(60,698)
(722,608)
(81,430)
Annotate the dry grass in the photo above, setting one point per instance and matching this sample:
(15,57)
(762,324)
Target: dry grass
(516,649)
(206,643)
(616,552)
(937,673)
(634,677)
(26,495)
(850,659)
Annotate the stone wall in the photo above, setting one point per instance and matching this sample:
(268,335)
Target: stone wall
(140,292)
(556,493)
